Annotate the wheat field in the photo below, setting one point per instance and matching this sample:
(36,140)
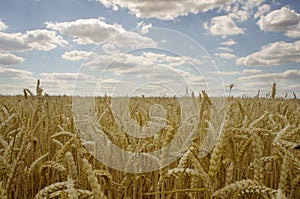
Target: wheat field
(257,154)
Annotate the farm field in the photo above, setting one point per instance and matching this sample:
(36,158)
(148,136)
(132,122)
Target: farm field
(256,153)
(149,99)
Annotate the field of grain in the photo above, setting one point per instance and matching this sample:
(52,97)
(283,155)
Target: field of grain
(257,154)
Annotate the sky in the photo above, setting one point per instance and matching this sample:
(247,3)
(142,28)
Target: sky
(150,47)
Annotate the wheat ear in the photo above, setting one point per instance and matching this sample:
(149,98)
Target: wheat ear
(91,174)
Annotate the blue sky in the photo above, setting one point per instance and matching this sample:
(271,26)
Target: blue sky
(125,47)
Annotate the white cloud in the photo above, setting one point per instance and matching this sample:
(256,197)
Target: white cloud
(226,55)
(78,55)
(13,72)
(131,39)
(249,4)
(283,20)
(63,83)
(241,10)
(293,87)
(293,33)
(165,10)
(13,42)
(121,62)
(96,31)
(10,59)
(110,81)
(110,48)
(279,20)
(147,67)
(251,71)
(273,54)
(226,73)
(144,27)
(225,49)
(229,42)
(223,25)
(35,39)
(251,88)
(87,31)
(240,15)
(52,83)
(11,89)
(263,9)
(43,39)
(287,75)
(286,82)
(2,26)
(66,76)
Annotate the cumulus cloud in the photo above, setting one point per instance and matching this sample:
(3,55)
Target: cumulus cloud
(35,39)
(273,54)
(131,39)
(63,83)
(10,59)
(110,48)
(226,55)
(78,55)
(11,89)
(241,15)
(122,62)
(13,42)
(287,75)
(263,9)
(251,88)
(2,26)
(87,31)
(93,31)
(249,4)
(226,73)
(138,69)
(14,73)
(223,25)
(293,33)
(66,76)
(43,40)
(144,27)
(283,20)
(165,10)
(241,10)
(251,71)
(225,49)
(110,81)
(229,42)
(52,83)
